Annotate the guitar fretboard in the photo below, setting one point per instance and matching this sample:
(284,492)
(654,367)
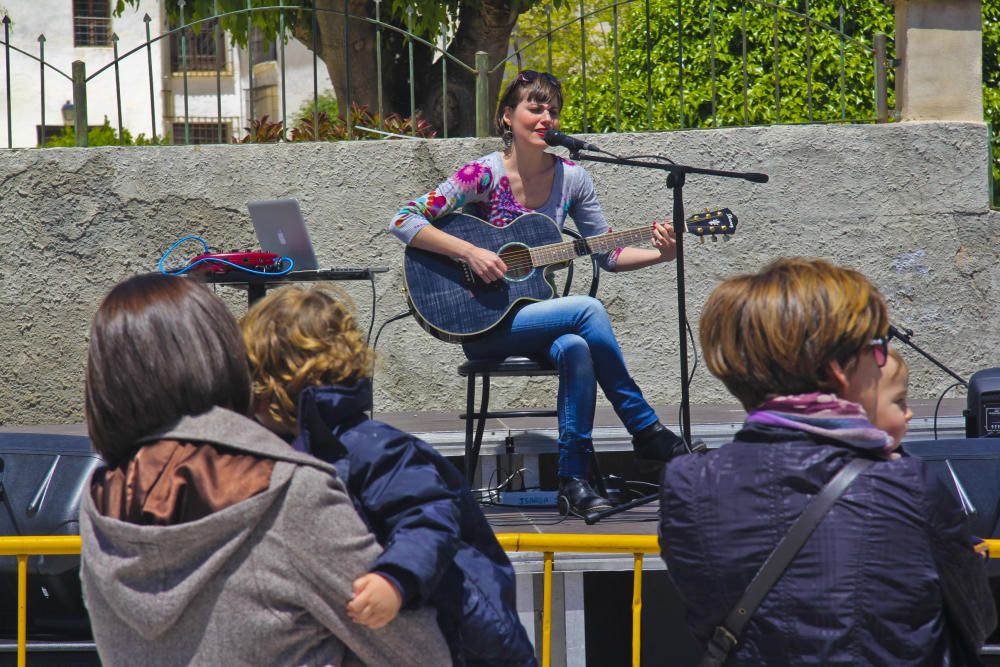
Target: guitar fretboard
(562,252)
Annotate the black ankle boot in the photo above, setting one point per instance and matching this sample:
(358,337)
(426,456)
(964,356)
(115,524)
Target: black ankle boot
(578,498)
(658,443)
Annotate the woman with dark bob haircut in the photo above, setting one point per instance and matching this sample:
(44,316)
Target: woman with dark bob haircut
(206,539)
(890,575)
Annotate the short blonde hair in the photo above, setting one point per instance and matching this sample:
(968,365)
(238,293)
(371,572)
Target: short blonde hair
(774,333)
(297,338)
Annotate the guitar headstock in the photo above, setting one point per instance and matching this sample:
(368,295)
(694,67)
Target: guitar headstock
(721,222)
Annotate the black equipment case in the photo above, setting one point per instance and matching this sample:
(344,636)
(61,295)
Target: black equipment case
(42,477)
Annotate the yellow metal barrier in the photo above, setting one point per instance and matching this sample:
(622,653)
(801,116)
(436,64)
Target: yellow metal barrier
(548,545)
(22,547)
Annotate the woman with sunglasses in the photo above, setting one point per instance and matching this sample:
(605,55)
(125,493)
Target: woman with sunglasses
(889,576)
(573,332)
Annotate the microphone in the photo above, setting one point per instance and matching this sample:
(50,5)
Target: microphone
(902,333)
(557,138)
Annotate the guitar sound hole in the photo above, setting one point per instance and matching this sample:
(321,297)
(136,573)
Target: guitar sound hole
(517,257)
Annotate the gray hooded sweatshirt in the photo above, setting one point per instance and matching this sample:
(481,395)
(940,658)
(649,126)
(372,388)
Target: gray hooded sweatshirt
(263,582)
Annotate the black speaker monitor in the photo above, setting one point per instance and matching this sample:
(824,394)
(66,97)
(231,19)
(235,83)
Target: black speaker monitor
(982,414)
(970,468)
(42,477)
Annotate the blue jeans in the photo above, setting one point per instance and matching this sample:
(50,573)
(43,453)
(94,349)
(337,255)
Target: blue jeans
(575,334)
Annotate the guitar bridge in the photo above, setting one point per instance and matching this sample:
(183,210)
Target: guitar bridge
(468,275)
(471,281)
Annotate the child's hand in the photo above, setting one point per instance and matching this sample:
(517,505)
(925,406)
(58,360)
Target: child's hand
(375,601)
(982,548)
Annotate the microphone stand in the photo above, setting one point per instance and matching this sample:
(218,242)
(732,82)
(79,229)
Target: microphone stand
(676,176)
(904,334)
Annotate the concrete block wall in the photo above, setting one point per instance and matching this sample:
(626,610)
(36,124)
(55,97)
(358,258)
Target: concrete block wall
(904,203)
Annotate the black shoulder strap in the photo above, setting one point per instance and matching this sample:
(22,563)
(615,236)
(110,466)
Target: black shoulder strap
(727,635)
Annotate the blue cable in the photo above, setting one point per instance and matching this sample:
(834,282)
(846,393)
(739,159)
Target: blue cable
(164,256)
(217,260)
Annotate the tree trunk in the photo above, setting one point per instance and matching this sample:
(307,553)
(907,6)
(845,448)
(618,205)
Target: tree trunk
(486,27)
(349,58)
(351,61)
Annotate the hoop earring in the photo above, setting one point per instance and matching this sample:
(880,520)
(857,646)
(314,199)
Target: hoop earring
(507,138)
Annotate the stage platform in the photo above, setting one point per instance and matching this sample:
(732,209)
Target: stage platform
(715,424)
(528,444)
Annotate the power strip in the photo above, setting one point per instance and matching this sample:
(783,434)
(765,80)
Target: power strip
(528,498)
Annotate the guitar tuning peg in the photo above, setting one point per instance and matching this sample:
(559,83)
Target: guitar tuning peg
(726,238)
(701,239)
(714,238)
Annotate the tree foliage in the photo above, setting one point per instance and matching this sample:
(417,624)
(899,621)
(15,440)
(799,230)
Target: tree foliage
(862,19)
(103,135)
(469,26)
(789,73)
(326,102)
(428,16)
(991,85)
(534,41)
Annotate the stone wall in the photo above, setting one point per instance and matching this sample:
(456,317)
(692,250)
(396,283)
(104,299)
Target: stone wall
(904,203)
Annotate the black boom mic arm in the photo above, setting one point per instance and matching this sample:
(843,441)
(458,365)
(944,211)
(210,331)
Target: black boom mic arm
(557,138)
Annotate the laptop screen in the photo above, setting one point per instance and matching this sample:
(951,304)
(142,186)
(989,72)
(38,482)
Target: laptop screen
(281,230)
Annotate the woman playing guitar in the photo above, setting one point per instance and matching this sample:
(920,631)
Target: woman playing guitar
(573,332)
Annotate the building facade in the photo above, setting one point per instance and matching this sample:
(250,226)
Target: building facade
(194,88)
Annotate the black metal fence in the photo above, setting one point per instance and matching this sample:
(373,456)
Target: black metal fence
(630,72)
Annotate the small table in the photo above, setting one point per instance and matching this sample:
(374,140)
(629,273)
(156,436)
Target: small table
(257,284)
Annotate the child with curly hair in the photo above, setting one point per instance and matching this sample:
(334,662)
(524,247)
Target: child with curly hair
(311,384)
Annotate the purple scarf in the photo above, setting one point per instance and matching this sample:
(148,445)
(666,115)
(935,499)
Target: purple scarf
(824,415)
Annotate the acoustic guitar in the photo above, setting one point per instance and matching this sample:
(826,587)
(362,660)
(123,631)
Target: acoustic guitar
(452,303)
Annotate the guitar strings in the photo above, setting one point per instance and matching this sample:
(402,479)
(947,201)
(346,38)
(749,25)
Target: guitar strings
(521,258)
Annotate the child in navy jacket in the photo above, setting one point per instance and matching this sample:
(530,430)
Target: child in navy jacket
(311,370)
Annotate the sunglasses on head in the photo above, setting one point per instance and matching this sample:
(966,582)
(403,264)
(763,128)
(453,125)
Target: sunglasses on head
(529,75)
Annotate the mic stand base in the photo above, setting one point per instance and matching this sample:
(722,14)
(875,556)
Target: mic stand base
(594,517)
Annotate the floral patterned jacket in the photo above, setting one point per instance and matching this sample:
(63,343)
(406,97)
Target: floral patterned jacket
(481,188)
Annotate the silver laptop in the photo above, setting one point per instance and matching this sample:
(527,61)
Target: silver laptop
(281,230)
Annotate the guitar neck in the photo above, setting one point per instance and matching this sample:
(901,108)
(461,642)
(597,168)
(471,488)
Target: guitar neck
(555,253)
